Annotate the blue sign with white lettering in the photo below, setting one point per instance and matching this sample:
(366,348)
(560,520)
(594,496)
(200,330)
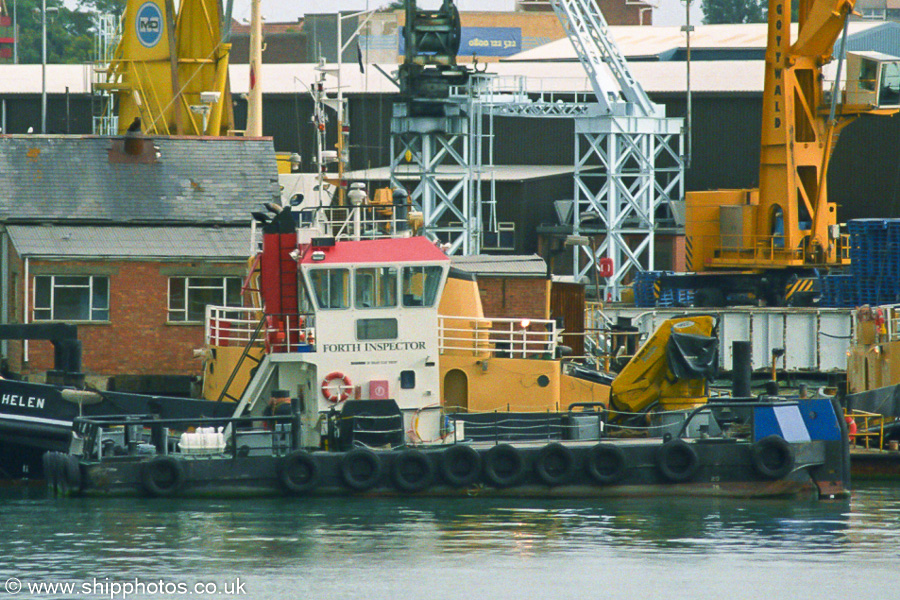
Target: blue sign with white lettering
(490,41)
(483,41)
(149,24)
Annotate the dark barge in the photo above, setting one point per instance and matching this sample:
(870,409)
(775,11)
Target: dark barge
(241,456)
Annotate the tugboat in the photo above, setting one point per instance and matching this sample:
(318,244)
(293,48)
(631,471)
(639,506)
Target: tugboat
(37,417)
(367,368)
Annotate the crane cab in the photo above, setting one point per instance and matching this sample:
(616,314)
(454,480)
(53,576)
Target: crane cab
(873,79)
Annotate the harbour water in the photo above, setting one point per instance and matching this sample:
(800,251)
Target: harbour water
(456,548)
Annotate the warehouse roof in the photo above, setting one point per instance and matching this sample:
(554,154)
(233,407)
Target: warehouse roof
(732,61)
(180,179)
(453,173)
(644,42)
(489,265)
(111,242)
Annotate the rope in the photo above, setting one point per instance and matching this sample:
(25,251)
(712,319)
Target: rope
(380,431)
(374,417)
(837,337)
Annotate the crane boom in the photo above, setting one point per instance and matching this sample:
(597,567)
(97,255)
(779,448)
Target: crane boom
(787,226)
(796,137)
(589,33)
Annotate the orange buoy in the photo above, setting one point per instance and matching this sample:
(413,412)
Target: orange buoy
(851,429)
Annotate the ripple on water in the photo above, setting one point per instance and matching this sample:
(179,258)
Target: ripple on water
(292,548)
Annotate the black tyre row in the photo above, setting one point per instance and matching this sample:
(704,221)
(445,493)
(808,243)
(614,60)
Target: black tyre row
(413,470)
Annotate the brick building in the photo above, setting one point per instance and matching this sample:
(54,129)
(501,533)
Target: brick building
(129,247)
(520,287)
(510,286)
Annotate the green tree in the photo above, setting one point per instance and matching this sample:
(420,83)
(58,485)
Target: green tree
(733,11)
(70,33)
(114,7)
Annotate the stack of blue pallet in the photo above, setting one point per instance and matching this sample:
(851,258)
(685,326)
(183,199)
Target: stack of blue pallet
(839,291)
(644,282)
(874,276)
(645,294)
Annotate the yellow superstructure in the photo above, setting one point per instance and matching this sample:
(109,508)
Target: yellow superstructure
(171,70)
(476,376)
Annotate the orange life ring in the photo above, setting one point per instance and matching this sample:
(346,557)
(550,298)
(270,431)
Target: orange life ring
(343,389)
(851,428)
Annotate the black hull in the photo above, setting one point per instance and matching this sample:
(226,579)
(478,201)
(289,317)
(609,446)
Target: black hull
(723,469)
(35,418)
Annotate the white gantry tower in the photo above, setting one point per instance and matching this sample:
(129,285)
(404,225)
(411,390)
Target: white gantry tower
(628,156)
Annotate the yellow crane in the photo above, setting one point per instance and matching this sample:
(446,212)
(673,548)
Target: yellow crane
(170,69)
(769,236)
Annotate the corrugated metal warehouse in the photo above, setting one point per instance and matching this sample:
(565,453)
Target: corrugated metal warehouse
(726,80)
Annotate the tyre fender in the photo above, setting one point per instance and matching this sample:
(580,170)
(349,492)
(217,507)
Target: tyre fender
(606,463)
(503,465)
(71,473)
(554,464)
(361,469)
(677,461)
(772,457)
(162,476)
(412,471)
(298,472)
(460,465)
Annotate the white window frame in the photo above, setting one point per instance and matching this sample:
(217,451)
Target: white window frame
(503,228)
(223,287)
(54,287)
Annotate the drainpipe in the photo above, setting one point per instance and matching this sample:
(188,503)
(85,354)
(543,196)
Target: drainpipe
(689,110)
(4,288)
(25,313)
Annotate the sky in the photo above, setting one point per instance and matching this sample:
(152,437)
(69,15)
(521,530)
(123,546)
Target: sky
(669,12)
(290,10)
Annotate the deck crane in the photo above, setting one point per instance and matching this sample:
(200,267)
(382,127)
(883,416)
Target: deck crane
(628,161)
(169,72)
(628,156)
(762,244)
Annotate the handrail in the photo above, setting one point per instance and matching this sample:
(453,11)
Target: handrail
(864,431)
(365,221)
(235,326)
(501,337)
(237,367)
(770,247)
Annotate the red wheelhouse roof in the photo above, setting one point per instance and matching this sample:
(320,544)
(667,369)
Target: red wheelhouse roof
(388,250)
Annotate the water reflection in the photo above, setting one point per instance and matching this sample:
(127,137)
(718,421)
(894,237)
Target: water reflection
(148,531)
(322,541)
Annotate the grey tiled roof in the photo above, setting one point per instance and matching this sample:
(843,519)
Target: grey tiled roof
(489,265)
(194,180)
(110,242)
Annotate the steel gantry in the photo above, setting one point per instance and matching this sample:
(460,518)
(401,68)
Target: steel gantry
(450,159)
(628,156)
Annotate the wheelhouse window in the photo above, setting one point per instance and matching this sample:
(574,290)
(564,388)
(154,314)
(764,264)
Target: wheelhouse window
(331,287)
(421,285)
(889,88)
(376,287)
(71,298)
(376,329)
(189,296)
